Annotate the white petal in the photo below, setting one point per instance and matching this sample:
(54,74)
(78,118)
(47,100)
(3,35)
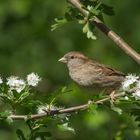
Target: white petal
(33,79)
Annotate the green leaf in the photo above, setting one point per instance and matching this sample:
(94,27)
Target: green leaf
(85,28)
(95,10)
(91,35)
(93,108)
(59,22)
(20,134)
(5,114)
(89,2)
(136,113)
(8,98)
(68,17)
(75,14)
(65,127)
(118,136)
(88,29)
(116,109)
(82,21)
(64,89)
(23,96)
(9,120)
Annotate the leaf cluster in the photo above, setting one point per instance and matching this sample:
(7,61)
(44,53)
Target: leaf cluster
(93,7)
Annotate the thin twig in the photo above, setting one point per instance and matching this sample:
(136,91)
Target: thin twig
(110,33)
(66,110)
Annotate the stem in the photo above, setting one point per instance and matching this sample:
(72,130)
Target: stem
(66,110)
(108,32)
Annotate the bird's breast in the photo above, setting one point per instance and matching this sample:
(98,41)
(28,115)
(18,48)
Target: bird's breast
(82,76)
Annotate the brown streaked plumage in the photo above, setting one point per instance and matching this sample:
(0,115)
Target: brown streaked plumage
(89,73)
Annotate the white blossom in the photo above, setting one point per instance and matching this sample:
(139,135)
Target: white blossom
(16,84)
(128,81)
(66,127)
(1,81)
(46,107)
(33,79)
(136,94)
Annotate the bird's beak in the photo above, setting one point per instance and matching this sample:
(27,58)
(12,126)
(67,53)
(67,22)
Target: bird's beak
(63,60)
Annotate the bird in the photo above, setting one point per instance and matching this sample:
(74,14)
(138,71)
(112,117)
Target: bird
(90,73)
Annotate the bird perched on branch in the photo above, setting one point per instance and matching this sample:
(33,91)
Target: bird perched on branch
(89,73)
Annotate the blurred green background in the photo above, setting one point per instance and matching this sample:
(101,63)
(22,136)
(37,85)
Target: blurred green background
(28,45)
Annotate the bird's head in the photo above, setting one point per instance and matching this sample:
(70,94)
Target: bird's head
(73,58)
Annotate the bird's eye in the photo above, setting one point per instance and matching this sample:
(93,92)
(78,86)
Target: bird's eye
(72,57)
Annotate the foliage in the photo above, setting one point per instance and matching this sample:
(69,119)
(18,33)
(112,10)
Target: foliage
(27,44)
(94,8)
(16,93)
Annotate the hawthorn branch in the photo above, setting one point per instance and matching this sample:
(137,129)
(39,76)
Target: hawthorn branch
(62,111)
(107,31)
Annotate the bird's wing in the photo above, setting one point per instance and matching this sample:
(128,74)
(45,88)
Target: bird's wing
(106,70)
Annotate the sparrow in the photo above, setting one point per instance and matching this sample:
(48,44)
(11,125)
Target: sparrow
(89,73)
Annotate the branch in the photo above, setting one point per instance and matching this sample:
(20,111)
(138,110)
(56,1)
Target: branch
(110,33)
(66,110)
